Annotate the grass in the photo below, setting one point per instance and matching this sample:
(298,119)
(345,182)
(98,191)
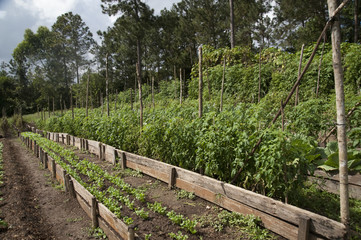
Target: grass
(327,204)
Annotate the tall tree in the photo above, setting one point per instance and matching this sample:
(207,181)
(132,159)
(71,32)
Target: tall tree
(76,38)
(357,23)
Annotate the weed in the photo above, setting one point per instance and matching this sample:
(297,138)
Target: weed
(185,194)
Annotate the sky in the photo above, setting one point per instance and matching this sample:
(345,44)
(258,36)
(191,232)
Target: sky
(18,15)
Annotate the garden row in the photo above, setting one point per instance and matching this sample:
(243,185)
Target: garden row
(286,220)
(3,224)
(130,205)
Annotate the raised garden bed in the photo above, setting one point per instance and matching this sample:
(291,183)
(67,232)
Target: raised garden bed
(288,221)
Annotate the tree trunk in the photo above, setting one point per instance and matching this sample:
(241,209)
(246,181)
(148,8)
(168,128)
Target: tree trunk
(140,97)
(341,120)
(232,22)
(131,98)
(222,87)
(319,67)
(175,81)
(107,82)
(297,98)
(200,84)
(356,22)
(87,94)
(180,86)
(53,106)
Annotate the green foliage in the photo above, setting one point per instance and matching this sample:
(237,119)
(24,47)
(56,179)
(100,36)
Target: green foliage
(178,236)
(185,194)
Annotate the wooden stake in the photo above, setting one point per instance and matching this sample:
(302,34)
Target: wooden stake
(222,86)
(107,82)
(94,208)
(66,187)
(180,86)
(200,84)
(304,228)
(172,177)
(297,98)
(53,168)
(71,186)
(140,96)
(319,66)
(123,160)
(340,106)
(87,94)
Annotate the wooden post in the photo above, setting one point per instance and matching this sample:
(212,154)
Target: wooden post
(71,186)
(46,160)
(86,145)
(123,161)
(66,188)
(172,177)
(297,98)
(100,151)
(200,84)
(94,208)
(115,154)
(53,168)
(340,106)
(304,228)
(131,234)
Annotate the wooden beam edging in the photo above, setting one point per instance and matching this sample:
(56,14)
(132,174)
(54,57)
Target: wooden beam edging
(258,203)
(352,179)
(319,225)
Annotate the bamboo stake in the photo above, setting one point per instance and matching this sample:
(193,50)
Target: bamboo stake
(297,98)
(140,97)
(180,86)
(107,82)
(341,120)
(319,67)
(222,86)
(153,92)
(87,94)
(200,84)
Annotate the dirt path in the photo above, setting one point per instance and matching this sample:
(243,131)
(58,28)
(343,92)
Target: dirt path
(33,207)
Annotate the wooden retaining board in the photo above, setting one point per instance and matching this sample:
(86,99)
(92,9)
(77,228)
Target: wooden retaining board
(319,224)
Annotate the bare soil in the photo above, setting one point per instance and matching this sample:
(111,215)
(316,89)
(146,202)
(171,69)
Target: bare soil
(33,204)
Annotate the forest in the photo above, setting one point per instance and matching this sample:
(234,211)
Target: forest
(141,86)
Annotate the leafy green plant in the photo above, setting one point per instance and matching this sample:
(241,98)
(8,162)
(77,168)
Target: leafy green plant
(157,207)
(185,194)
(178,236)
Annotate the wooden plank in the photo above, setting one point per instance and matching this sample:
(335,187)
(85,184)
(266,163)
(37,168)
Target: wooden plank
(115,223)
(80,190)
(93,147)
(352,179)
(111,234)
(109,153)
(333,186)
(163,176)
(319,224)
(84,205)
(59,174)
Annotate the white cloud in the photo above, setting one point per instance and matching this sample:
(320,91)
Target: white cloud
(46,10)
(2,14)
